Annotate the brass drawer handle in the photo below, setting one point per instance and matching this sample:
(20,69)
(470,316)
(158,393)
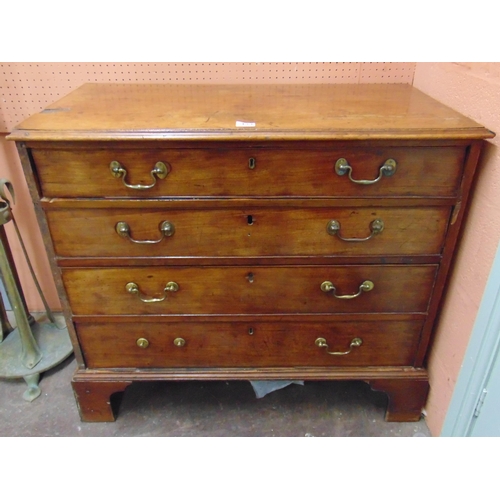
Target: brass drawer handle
(376,226)
(342,167)
(166,229)
(160,170)
(328,286)
(321,342)
(179,342)
(142,343)
(133,288)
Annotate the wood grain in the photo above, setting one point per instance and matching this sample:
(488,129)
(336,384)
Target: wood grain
(249,290)
(406,398)
(94,399)
(169,111)
(215,172)
(249,232)
(247,344)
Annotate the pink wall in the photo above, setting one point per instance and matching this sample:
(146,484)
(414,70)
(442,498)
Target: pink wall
(474,90)
(10,168)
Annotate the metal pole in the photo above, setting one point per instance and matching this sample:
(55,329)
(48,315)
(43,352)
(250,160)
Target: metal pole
(30,352)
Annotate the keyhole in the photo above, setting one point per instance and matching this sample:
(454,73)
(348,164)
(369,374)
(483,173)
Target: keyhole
(250,220)
(250,277)
(250,331)
(251,163)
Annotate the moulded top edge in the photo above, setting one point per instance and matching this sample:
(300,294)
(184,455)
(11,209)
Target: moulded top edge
(266,135)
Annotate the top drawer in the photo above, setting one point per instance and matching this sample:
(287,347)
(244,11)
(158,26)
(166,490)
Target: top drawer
(153,172)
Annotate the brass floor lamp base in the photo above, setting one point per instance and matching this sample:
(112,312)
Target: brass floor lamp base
(55,345)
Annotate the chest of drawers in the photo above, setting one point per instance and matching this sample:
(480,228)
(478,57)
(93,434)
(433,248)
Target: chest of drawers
(226,232)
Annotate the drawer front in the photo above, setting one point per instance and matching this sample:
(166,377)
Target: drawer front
(246,344)
(248,290)
(80,172)
(245,233)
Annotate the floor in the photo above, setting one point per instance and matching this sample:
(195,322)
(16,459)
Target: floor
(198,409)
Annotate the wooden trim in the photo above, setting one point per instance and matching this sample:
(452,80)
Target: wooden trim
(327,260)
(320,145)
(222,202)
(235,135)
(197,318)
(179,374)
(449,255)
(406,387)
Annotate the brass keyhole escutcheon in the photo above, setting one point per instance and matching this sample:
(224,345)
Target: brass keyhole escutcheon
(251,163)
(142,343)
(179,342)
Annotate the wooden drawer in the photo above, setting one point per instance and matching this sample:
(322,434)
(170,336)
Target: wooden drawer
(224,171)
(248,290)
(246,233)
(248,344)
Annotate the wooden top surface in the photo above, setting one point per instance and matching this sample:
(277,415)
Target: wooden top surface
(246,112)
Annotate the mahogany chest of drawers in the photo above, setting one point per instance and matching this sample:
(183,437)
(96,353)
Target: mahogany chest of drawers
(299,232)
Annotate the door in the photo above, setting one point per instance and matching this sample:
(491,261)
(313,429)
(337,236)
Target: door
(486,418)
(475,406)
